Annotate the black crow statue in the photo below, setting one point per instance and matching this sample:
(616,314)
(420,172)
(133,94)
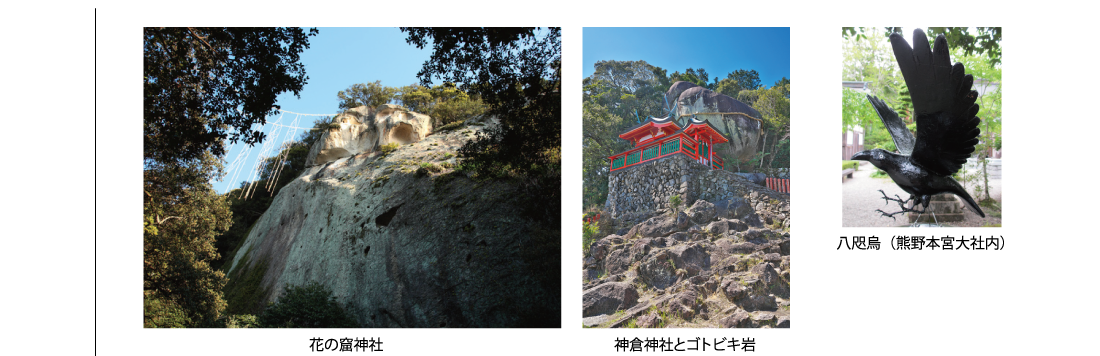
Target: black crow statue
(947,128)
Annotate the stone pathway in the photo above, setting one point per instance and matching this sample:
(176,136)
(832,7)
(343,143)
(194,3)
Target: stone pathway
(861,198)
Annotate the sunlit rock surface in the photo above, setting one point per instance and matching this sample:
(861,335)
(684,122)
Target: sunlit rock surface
(742,129)
(364,130)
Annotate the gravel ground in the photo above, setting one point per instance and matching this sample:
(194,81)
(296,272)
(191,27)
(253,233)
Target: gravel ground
(861,198)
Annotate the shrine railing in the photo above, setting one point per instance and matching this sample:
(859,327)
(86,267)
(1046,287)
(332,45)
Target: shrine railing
(660,148)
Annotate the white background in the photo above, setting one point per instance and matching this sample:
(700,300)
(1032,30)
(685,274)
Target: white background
(1035,296)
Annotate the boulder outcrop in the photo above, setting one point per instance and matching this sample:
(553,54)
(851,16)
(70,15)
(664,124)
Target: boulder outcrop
(365,130)
(737,120)
(712,265)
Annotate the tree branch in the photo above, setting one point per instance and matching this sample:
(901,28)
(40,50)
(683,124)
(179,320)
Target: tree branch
(161,221)
(193,33)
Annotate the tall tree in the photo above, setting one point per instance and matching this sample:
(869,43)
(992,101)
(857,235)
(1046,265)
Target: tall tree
(205,85)
(632,90)
(182,216)
(774,105)
(599,132)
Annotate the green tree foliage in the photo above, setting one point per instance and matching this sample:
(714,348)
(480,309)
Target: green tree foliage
(599,139)
(182,216)
(871,59)
(164,313)
(204,85)
(517,73)
(309,306)
(444,103)
(990,110)
(856,110)
(774,105)
(632,90)
(699,77)
(674,203)
(986,42)
(370,94)
(739,80)
(588,235)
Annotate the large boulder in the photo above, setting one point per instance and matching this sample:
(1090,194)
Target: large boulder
(738,319)
(702,212)
(735,208)
(737,120)
(692,258)
(608,298)
(365,130)
(658,270)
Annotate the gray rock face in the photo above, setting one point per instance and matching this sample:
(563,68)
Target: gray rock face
(400,250)
(702,212)
(692,257)
(658,271)
(739,319)
(609,297)
(651,320)
(684,304)
(657,226)
(719,110)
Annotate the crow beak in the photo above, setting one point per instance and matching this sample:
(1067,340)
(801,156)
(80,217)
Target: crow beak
(862,156)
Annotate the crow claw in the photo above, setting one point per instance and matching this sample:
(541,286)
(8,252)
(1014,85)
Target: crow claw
(901,204)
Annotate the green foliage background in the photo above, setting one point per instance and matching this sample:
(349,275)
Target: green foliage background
(309,306)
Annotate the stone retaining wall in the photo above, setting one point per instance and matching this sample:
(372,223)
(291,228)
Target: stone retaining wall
(647,187)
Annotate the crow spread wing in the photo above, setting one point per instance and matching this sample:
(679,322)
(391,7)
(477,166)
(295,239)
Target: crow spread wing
(903,139)
(947,128)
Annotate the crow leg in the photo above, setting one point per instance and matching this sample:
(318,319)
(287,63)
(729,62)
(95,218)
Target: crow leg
(901,204)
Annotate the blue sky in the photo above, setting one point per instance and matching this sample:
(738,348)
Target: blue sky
(718,50)
(337,58)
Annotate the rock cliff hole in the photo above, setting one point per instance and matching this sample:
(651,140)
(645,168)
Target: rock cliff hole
(402,133)
(386,217)
(468,257)
(366,250)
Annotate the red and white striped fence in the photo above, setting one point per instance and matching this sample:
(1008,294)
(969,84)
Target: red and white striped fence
(779,184)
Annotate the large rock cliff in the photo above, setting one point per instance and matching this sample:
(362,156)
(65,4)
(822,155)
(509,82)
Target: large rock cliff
(737,120)
(401,238)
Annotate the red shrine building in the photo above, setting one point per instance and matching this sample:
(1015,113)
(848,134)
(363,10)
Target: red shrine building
(656,138)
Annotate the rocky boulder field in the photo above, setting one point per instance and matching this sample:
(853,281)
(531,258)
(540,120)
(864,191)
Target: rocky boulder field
(712,265)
